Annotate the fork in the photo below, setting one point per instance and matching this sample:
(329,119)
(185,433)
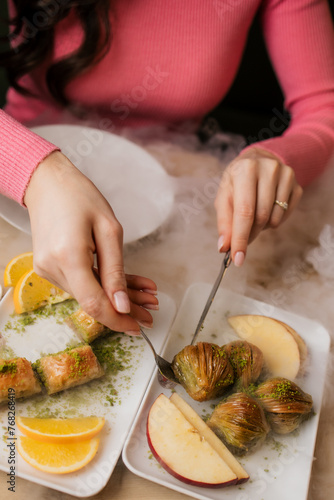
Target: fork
(167,376)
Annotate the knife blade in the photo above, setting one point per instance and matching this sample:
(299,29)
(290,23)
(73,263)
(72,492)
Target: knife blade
(226,262)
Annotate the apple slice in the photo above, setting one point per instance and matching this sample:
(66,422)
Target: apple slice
(303,352)
(206,433)
(284,351)
(181,450)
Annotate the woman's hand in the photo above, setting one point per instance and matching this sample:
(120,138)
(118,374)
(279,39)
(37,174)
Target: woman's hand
(245,202)
(70,222)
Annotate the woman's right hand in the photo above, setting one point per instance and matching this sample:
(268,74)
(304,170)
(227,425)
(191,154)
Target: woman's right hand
(70,222)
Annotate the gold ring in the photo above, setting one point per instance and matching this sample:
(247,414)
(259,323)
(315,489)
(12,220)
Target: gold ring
(282,204)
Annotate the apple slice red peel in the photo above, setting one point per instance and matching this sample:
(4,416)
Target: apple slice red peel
(181,449)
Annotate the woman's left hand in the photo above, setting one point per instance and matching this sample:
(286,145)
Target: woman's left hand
(245,202)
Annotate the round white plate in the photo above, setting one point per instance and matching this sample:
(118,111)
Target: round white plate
(134,183)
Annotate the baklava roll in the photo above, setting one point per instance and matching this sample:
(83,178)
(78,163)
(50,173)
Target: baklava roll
(68,368)
(17,375)
(85,326)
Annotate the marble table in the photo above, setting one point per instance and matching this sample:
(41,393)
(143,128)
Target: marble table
(291,268)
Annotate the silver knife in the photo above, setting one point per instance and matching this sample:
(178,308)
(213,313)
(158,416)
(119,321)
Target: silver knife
(225,264)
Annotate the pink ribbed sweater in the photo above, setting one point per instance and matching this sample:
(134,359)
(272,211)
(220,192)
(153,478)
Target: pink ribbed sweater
(174,61)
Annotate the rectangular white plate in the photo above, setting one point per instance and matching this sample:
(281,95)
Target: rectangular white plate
(48,335)
(281,468)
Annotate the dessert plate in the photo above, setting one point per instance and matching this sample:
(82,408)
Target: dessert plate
(134,183)
(116,396)
(281,467)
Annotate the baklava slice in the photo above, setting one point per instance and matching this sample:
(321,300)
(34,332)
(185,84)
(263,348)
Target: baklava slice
(86,327)
(68,368)
(17,377)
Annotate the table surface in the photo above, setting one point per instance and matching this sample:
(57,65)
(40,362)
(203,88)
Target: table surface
(291,268)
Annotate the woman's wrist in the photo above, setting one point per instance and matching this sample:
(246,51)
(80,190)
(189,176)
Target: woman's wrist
(254,151)
(55,165)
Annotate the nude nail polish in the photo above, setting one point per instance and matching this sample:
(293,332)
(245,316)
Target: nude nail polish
(153,307)
(149,290)
(221,240)
(239,259)
(145,324)
(122,302)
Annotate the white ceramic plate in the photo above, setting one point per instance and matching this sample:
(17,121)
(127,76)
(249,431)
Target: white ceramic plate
(134,183)
(95,398)
(280,469)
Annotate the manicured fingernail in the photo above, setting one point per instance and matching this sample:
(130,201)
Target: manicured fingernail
(122,302)
(154,307)
(239,259)
(220,242)
(132,332)
(145,324)
(149,290)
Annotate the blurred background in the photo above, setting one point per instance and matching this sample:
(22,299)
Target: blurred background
(252,101)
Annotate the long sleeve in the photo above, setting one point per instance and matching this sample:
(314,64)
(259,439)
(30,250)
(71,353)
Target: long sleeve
(155,73)
(300,40)
(21,151)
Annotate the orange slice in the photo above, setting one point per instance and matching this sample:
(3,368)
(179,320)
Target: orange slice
(57,458)
(32,292)
(17,267)
(60,430)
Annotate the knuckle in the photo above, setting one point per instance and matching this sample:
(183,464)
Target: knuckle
(299,191)
(262,217)
(60,252)
(112,228)
(116,274)
(92,306)
(273,164)
(274,222)
(245,211)
(39,263)
(67,254)
(245,166)
(289,171)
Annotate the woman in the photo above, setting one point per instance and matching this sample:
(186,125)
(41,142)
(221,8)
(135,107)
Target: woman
(142,63)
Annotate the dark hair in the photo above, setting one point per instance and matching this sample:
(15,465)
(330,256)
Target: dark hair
(32,35)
